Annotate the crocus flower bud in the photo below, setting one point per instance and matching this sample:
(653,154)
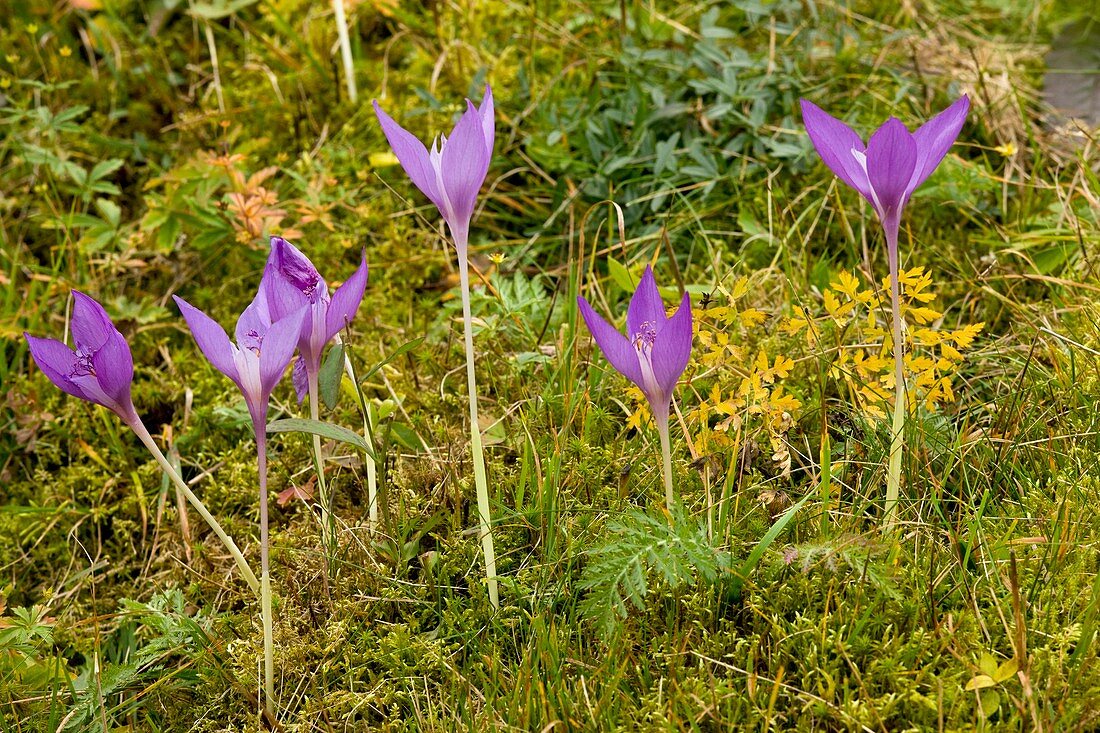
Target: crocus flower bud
(894,161)
(451,174)
(290,283)
(100,369)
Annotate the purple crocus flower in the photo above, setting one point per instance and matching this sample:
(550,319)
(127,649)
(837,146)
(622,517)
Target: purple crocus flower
(886,172)
(100,369)
(258,360)
(652,355)
(291,283)
(451,174)
(894,161)
(657,348)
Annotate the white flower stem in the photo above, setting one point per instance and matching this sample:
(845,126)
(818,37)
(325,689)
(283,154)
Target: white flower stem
(170,471)
(897,429)
(265,570)
(666,455)
(328,524)
(476,449)
(345,47)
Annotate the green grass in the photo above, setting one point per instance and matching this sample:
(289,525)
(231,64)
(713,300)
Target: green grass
(775,599)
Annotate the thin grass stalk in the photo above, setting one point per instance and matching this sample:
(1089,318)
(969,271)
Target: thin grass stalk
(170,471)
(265,570)
(368,435)
(897,429)
(476,449)
(345,47)
(213,49)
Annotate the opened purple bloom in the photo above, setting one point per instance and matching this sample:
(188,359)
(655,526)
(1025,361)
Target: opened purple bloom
(100,369)
(258,360)
(894,161)
(291,283)
(655,351)
(451,174)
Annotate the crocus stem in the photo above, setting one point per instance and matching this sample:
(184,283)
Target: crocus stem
(666,455)
(143,435)
(328,524)
(265,570)
(476,449)
(897,430)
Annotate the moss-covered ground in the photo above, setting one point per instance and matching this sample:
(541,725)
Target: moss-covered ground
(149,149)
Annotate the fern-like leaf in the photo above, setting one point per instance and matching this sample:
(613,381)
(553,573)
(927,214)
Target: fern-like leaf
(674,549)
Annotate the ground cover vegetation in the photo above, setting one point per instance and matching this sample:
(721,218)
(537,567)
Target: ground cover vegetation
(151,150)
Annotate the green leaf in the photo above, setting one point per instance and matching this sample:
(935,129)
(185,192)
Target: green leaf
(402,349)
(620,275)
(1006,671)
(980,682)
(110,211)
(406,436)
(990,701)
(324,429)
(1051,259)
(217,10)
(104,168)
(332,370)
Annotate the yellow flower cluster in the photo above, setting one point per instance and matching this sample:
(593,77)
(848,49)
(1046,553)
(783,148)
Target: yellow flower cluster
(854,324)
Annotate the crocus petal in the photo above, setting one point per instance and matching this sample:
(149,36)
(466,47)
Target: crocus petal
(616,347)
(935,137)
(253,322)
(290,280)
(412,155)
(488,120)
(834,142)
(90,323)
(281,295)
(299,377)
(114,370)
(646,307)
(278,346)
(345,301)
(672,347)
(464,163)
(891,157)
(56,360)
(210,337)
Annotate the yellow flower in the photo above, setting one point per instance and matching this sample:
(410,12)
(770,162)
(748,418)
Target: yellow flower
(65,52)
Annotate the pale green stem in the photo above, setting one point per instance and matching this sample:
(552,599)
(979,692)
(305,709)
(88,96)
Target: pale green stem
(897,430)
(328,525)
(143,435)
(666,455)
(265,570)
(345,47)
(476,449)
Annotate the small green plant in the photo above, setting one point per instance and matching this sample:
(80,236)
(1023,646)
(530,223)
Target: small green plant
(672,550)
